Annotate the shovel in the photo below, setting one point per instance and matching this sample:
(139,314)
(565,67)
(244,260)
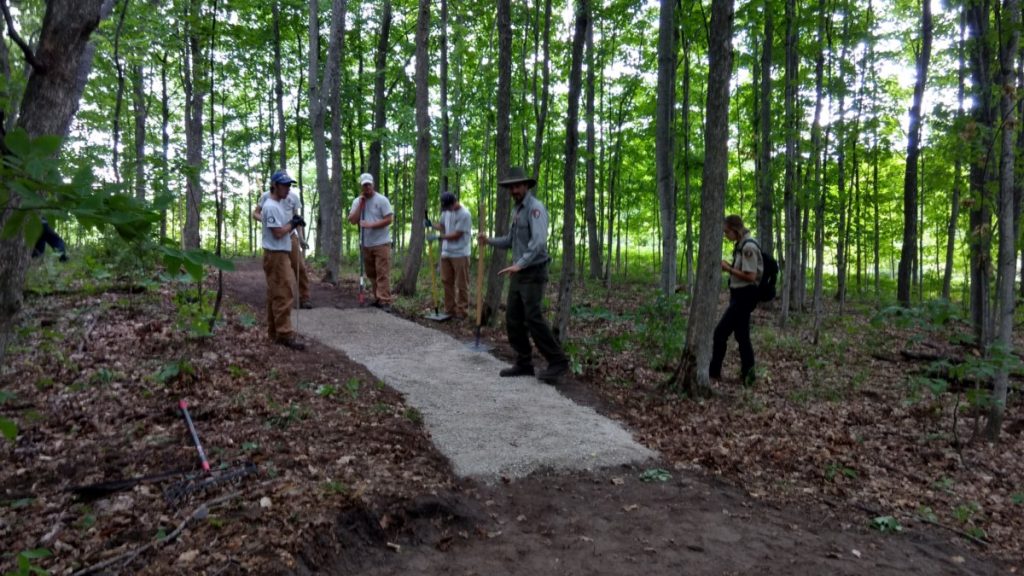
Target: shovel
(437,316)
(476,346)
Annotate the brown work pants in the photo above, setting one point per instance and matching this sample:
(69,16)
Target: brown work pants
(299,263)
(377,261)
(455,278)
(277,267)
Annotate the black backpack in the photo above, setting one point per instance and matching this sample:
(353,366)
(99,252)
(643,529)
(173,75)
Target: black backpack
(770,274)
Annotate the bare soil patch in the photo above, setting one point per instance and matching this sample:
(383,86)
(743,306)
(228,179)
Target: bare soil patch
(349,482)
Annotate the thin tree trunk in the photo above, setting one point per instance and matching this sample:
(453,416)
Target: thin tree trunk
(380,74)
(165,141)
(195,91)
(410,272)
(119,93)
(981,172)
(282,158)
(908,253)
(569,179)
(696,355)
(593,236)
(664,144)
(1003,348)
(685,152)
(139,111)
(446,147)
(541,109)
(765,207)
(503,148)
(791,209)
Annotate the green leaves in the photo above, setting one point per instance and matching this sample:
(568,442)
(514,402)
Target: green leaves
(8,428)
(886,524)
(194,261)
(655,475)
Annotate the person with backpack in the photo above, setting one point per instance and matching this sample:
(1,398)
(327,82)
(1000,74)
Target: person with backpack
(745,272)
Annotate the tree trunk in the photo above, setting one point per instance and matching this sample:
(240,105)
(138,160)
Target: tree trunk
(446,147)
(664,144)
(593,236)
(696,355)
(841,139)
(329,219)
(48,106)
(282,132)
(765,207)
(139,111)
(541,109)
(379,103)
(165,141)
(194,93)
(954,212)
(791,209)
(565,286)
(908,254)
(1003,348)
(503,149)
(411,270)
(981,171)
(818,158)
(118,94)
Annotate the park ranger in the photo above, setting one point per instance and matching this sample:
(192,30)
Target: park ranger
(528,275)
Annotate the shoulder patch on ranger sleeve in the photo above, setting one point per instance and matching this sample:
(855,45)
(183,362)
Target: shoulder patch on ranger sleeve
(535,213)
(748,252)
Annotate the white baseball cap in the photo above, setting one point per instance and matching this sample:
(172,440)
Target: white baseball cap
(365,179)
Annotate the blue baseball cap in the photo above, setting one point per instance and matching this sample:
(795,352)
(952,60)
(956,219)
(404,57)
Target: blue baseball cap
(447,200)
(281,177)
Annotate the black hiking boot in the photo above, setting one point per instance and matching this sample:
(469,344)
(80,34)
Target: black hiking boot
(553,372)
(516,370)
(292,343)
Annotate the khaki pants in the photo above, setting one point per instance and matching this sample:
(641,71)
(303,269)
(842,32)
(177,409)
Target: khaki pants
(277,267)
(377,261)
(298,262)
(455,277)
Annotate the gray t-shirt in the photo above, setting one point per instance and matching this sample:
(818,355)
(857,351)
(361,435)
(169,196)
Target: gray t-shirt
(377,207)
(274,217)
(291,205)
(453,221)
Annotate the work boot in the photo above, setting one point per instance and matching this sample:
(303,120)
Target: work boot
(292,343)
(553,372)
(516,370)
(748,378)
(307,305)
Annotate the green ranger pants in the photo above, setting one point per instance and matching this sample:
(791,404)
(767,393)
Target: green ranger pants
(524,317)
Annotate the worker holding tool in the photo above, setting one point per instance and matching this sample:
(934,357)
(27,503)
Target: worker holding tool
(528,275)
(293,207)
(456,229)
(372,212)
(278,224)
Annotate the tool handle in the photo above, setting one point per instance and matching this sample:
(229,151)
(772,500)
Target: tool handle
(195,435)
(480,270)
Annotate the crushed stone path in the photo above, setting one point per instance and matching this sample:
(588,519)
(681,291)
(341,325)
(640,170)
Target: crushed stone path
(489,427)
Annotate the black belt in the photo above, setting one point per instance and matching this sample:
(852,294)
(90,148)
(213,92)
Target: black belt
(265,250)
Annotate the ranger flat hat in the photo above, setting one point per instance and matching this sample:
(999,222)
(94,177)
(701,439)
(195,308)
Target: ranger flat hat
(516,175)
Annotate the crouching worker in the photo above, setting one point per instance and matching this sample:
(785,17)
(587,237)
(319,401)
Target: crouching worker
(51,238)
(277,249)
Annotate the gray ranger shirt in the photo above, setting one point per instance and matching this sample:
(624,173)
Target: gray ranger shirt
(528,237)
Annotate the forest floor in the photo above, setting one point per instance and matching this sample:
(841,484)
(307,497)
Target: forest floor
(785,477)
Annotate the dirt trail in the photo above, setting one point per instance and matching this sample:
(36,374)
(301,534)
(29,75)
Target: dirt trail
(609,521)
